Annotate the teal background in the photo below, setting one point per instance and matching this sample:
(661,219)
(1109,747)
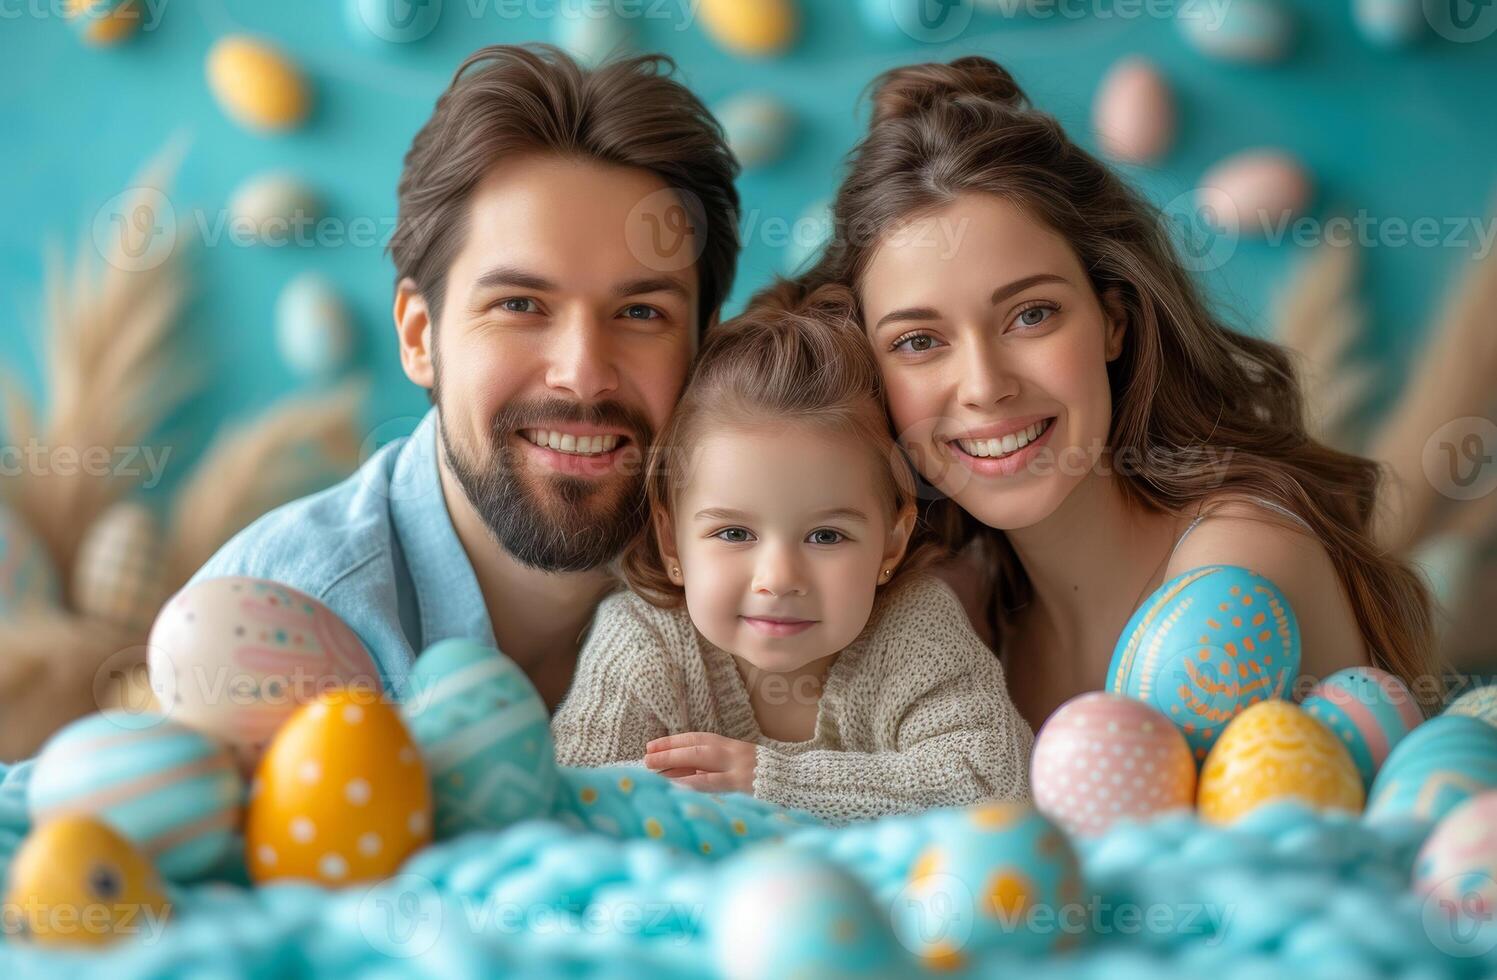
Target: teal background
(1403,134)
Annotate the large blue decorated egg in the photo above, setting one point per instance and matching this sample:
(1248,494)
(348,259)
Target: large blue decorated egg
(1211,642)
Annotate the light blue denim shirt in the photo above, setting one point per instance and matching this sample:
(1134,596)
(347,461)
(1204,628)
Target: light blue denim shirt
(378,549)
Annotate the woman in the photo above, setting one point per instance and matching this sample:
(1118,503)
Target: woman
(1091,426)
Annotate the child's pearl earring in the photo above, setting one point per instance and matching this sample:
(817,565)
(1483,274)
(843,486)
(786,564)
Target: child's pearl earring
(887,572)
(675,571)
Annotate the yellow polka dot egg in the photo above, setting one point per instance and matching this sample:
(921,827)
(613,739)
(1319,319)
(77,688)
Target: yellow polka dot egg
(341,795)
(1274,751)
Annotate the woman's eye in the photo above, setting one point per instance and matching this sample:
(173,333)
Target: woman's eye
(518,304)
(916,343)
(826,535)
(735,535)
(640,311)
(1035,315)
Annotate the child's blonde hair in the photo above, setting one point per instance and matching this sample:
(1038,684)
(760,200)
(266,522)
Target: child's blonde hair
(782,362)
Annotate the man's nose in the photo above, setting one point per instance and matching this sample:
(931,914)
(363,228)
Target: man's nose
(581,358)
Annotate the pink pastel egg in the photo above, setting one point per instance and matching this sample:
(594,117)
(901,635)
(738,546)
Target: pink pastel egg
(1102,757)
(234,658)
(1134,113)
(1255,194)
(1457,866)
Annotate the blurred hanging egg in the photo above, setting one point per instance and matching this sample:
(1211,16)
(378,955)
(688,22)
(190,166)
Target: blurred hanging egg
(993,879)
(236,656)
(1204,647)
(257,85)
(782,913)
(103,22)
(1435,768)
(276,207)
(1390,23)
(172,791)
(1479,702)
(592,35)
(751,27)
(485,735)
(1255,193)
(1258,31)
(1275,751)
(1134,113)
(341,795)
(1102,757)
(75,881)
(119,574)
(28,579)
(1369,710)
(392,21)
(313,330)
(808,236)
(1457,866)
(758,128)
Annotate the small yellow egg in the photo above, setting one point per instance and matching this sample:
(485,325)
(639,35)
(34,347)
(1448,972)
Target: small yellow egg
(104,22)
(76,881)
(1275,750)
(257,85)
(751,27)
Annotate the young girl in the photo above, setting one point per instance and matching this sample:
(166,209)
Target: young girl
(779,641)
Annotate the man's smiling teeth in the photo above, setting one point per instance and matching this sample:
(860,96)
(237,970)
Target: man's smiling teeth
(564,442)
(1010,443)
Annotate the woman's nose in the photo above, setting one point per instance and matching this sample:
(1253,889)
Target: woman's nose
(986,379)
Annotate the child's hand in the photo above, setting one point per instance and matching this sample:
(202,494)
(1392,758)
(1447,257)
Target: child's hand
(704,761)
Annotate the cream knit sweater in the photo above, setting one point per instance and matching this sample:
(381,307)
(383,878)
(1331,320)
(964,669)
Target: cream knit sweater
(913,714)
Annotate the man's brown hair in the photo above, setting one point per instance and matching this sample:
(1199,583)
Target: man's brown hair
(506,100)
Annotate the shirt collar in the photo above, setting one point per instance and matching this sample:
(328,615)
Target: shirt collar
(447,594)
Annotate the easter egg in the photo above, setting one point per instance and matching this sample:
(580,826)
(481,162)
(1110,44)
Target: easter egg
(1390,23)
(918,20)
(340,796)
(275,208)
(1457,865)
(172,791)
(1436,767)
(257,85)
(1101,757)
(1255,193)
(1134,113)
(485,735)
(1208,644)
(997,876)
(809,235)
(76,881)
(1275,751)
(392,21)
(28,578)
(1369,710)
(119,574)
(592,34)
(1255,31)
(313,332)
(750,27)
(780,913)
(235,656)
(103,22)
(1479,702)
(757,127)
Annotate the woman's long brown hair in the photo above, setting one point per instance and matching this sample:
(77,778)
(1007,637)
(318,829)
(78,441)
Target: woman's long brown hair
(1183,380)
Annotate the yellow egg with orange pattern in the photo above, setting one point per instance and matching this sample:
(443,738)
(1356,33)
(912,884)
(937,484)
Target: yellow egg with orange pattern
(340,796)
(77,881)
(1274,751)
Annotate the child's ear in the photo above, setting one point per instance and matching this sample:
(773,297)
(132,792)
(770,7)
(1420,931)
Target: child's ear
(665,540)
(898,543)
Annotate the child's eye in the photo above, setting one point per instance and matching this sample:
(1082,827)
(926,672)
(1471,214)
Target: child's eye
(918,342)
(735,535)
(825,535)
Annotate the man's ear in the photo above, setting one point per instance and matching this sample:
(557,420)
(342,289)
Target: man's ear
(413,329)
(898,543)
(1117,322)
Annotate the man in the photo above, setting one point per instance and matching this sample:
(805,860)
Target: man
(564,236)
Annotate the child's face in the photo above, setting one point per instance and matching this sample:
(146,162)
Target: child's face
(781,539)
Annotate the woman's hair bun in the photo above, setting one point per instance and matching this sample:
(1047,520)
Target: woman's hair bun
(915,89)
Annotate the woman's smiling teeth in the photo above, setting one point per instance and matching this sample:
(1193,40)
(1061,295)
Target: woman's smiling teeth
(564,442)
(1011,443)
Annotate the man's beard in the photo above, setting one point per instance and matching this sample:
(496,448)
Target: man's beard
(554,522)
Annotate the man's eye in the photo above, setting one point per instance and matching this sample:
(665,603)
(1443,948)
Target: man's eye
(518,304)
(826,535)
(736,535)
(640,311)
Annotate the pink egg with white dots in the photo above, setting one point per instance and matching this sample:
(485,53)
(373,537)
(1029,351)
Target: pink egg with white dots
(1102,757)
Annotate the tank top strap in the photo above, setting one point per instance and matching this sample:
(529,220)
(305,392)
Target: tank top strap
(1264,501)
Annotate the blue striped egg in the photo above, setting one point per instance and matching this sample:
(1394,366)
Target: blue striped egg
(172,791)
(486,737)
(28,579)
(1480,702)
(593,35)
(994,877)
(1257,31)
(1390,23)
(1440,764)
(314,332)
(392,21)
(1211,642)
(757,126)
(1368,710)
